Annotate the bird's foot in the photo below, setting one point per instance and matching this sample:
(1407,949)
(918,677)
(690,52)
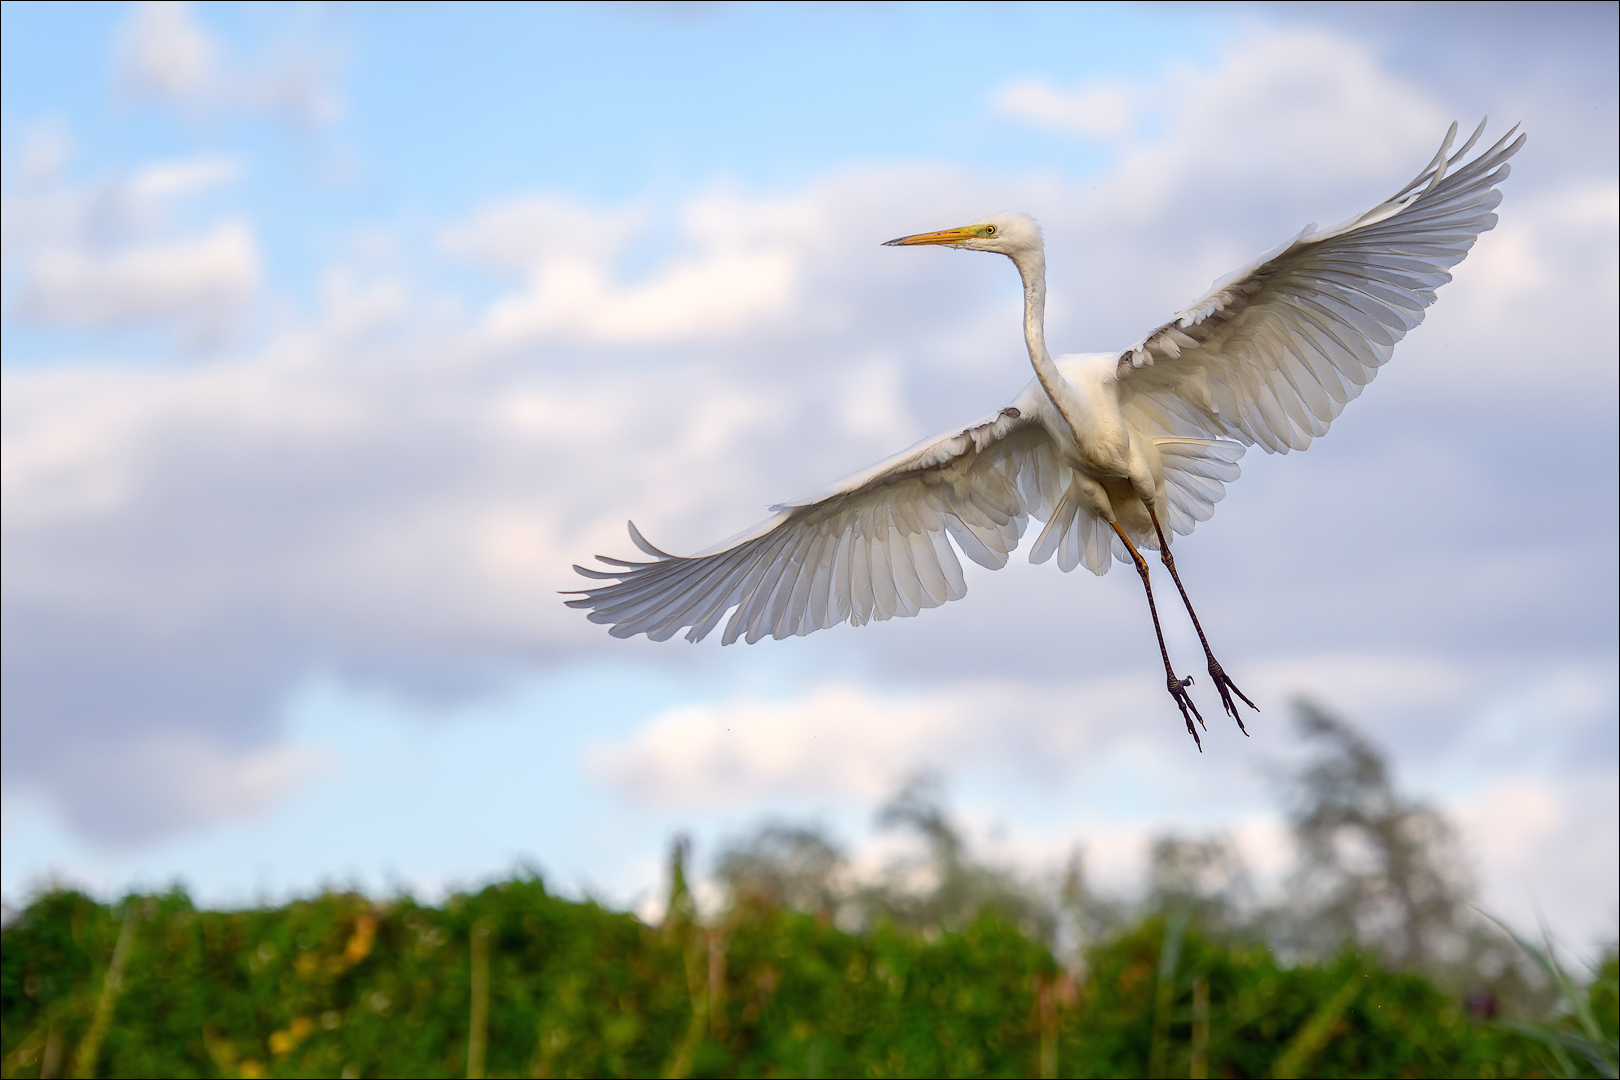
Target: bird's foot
(1184,701)
(1223,683)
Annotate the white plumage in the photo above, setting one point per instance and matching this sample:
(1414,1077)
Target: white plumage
(1098,446)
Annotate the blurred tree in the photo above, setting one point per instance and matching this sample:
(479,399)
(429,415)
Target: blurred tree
(1386,874)
(1086,916)
(946,889)
(787,866)
(680,909)
(1374,869)
(1205,877)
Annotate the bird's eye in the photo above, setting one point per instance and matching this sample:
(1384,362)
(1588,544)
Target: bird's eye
(989,230)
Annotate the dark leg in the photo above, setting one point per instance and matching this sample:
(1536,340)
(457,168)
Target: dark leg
(1177,687)
(1216,673)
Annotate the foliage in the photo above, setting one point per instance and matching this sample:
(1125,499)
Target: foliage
(941,966)
(339,985)
(1148,995)
(1585,1039)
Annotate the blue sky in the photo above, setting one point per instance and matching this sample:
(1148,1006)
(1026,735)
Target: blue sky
(443,108)
(333,335)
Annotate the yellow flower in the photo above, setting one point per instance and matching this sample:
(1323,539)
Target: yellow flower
(283,1042)
(365,935)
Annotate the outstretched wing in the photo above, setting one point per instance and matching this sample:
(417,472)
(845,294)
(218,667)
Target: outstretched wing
(872,546)
(1275,351)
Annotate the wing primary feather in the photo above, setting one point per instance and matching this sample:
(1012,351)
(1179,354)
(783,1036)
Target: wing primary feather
(901,557)
(597,575)
(1434,162)
(885,602)
(764,593)
(1474,138)
(727,596)
(712,585)
(787,607)
(821,580)
(641,542)
(699,607)
(1444,162)
(747,589)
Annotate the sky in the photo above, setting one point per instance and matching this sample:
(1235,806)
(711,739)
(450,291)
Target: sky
(334,334)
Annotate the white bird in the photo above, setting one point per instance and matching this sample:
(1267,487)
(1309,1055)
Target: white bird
(1105,448)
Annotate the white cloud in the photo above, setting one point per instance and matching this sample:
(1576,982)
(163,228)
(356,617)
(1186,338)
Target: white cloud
(1534,320)
(1283,113)
(839,741)
(204,281)
(1516,814)
(1364,685)
(175,178)
(169,779)
(45,150)
(165,55)
(106,256)
(835,742)
(518,236)
(1101,110)
(354,308)
(842,741)
(731,275)
(126,208)
(1546,850)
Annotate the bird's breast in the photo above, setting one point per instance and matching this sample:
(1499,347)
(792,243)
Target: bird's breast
(1101,443)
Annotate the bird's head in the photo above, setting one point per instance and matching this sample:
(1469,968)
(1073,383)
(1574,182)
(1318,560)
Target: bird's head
(1007,233)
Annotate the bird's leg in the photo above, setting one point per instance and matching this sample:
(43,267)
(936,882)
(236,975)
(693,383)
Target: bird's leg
(1217,674)
(1177,687)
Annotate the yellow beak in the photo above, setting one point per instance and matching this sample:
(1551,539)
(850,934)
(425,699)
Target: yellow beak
(944,236)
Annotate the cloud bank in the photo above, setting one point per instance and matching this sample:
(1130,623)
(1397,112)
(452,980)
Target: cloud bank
(392,486)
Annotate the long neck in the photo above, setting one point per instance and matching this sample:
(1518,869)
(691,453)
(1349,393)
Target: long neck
(1032,268)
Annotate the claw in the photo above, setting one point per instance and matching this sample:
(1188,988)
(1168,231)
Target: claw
(1178,691)
(1223,683)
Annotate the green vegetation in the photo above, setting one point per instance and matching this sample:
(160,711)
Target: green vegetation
(340,986)
(945,967)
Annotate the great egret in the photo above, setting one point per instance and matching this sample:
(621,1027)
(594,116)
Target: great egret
(1100,446)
